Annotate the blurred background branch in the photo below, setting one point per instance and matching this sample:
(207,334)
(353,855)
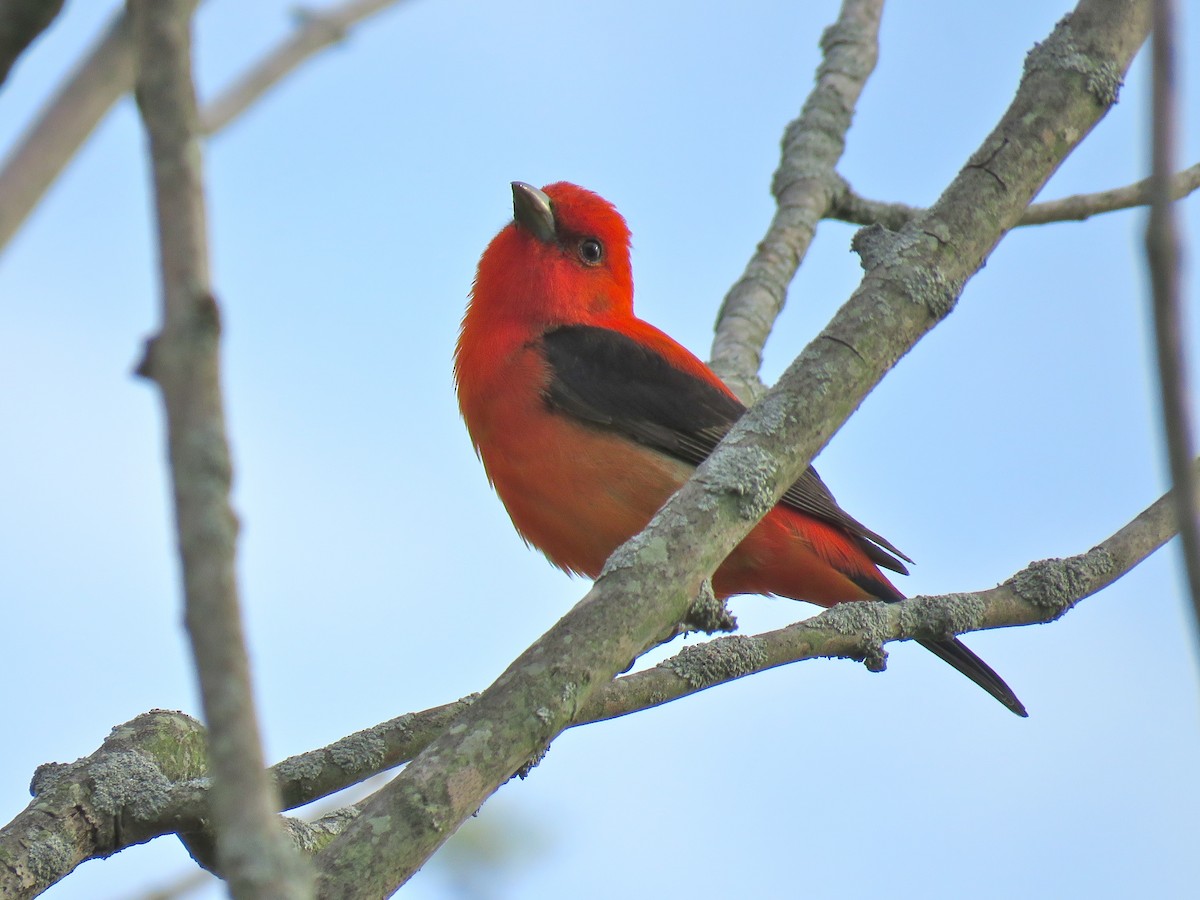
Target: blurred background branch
(315,30)
(1165,258)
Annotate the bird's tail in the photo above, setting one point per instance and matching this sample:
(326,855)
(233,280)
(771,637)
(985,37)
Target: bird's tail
(962,658)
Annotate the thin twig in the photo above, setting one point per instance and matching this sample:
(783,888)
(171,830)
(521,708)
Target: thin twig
(254,854)
(1079,207)
(21,21)
(316,30)
(850,207)
(804,186)
(1163,251)
(106,73)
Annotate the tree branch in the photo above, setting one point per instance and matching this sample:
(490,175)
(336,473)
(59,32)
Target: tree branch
(93,807)
(317,29)
(804,186)
(254,854)
(1164,256)
(147,779)
(21,21)
(850,207)
(913,280)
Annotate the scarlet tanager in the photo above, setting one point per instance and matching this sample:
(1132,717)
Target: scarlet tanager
(587,419)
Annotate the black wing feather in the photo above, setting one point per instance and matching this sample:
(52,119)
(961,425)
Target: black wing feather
(602,377)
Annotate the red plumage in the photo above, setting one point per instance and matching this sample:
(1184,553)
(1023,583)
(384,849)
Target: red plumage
(587,419)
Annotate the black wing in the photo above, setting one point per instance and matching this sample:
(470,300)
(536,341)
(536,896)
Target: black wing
(608,380)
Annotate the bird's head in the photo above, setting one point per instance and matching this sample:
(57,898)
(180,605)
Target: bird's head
(564,259)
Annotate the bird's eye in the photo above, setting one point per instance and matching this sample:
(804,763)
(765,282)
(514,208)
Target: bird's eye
(591,251)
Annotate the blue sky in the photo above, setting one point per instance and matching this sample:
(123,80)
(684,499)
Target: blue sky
(380,575)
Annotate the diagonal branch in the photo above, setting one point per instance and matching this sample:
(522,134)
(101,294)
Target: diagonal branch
(316,30)
(804,187)
(912,282)
(1164,256)
(21,21)
(850,207)
(1079,207)
(183,359)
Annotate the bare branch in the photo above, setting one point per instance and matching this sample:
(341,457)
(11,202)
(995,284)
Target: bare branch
(310,776)
(850,207)
(21,21)
(63,125)
(1070,81)
(1083,206)
(317,29)
(804,185)
(1164,255)
(93,807)
(254,854)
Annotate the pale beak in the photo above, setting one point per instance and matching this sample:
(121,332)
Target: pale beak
(532,211)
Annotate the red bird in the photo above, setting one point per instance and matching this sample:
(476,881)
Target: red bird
(587,419)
